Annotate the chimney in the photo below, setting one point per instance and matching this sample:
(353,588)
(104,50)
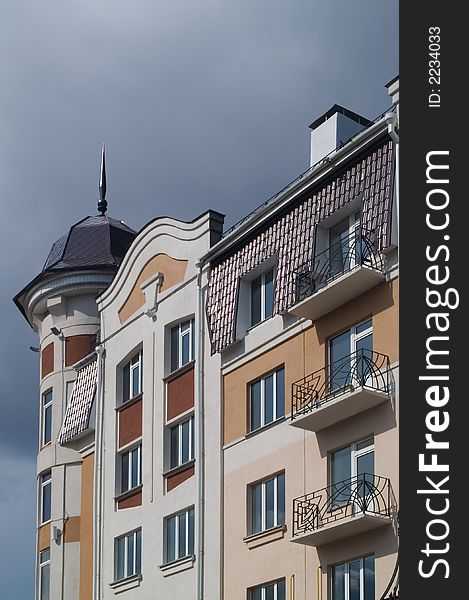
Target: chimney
(330,131)
(393,91)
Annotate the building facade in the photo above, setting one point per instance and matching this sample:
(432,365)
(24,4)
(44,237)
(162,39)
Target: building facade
(219,412)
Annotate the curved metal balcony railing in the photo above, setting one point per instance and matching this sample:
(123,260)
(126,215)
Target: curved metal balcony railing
(363,368)
(353,250)
(364,494)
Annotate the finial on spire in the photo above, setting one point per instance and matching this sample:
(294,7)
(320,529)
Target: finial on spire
(102,204)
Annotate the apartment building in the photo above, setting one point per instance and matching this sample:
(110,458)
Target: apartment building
(219,412)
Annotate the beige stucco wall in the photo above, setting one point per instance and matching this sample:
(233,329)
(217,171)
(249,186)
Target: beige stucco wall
(86,528)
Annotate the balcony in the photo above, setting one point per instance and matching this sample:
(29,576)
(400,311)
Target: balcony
(341,390)
(348,508)
(340,273)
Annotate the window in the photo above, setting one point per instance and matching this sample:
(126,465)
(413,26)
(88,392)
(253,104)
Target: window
(274,590)
(262,297)
(354,580)
(352,470)
(179,535)
(344,244)
(267,399)
(46,417)
(131,468)
(350,355)
(44,574)
(182,344)
(128,549)
(46,496)
(132,377)
(267,504)
(182,443)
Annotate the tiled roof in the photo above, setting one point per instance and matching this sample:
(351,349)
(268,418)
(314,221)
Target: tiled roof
(94,241)
(77,417)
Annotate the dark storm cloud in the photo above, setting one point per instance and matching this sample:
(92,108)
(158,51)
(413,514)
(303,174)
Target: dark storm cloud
(201,104)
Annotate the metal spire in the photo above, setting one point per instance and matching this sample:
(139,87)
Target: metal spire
(102,204)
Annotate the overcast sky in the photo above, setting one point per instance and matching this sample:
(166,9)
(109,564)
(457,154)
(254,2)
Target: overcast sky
(201,104)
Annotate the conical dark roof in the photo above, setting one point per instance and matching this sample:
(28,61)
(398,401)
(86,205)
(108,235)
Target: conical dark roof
(93,242)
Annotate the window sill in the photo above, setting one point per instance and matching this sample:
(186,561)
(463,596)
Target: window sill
(179,468)
(126,584)
(265,537)
(127,403)
(177,566)
(128,493)
(265,427)
(187,367)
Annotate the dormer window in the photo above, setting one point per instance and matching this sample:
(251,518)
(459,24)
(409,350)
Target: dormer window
(262,297)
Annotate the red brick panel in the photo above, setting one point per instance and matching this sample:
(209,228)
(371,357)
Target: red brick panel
(47,360)
(174,480)
(77,347)
(130,501)
(180,394)
(130,423)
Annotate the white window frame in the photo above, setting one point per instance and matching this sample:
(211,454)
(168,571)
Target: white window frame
(138,358)
(42,485)
(176,534)
(179,426)
(130,450)
(180,336)
(262,380)
(263,485)
(347,576)
(262,288)
(44,407)
(42,564)
(131,535)
(263,589)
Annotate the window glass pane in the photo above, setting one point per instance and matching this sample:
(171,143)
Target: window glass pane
(120,558)
(280,385)
(340,476)
(365,443)
(255,594)
(256,508)
(174,446)
(47,424)
(269,399)
(369,578)
(125,472)
(185,441)
(185,341)
(185,326)
(138,551)
(46,502)
(135,469)
(354,580)
(280,499)
(338,582)
(182,547)
(339,248)
(269,593)
(256,301)
(170,539)
(126,382)
(255,405)
(130,554)
(45,582)
(136,381)
(174,348)
(192,352)
(281,589)
(364,354)
(361,327)
(339,360)
(45,556)
(269,294)
(269,503)
(192,438)
(365,471)
(190,549)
